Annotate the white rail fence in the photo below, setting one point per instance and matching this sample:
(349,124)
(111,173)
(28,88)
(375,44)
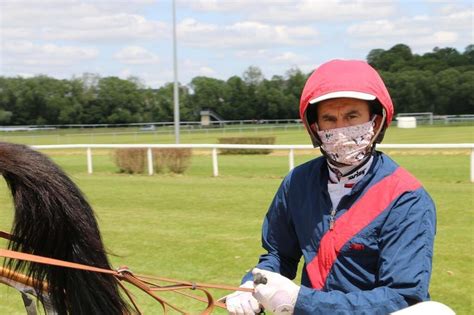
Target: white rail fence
(215,147)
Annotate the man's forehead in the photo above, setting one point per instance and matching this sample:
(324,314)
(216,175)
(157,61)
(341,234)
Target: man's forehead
(342,105)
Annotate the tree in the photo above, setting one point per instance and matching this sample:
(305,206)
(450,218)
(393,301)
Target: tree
(253,76)
(8,86)
(411,91)
(240,103)
(160,103)
(271,98)
(402,51)
(73,113)
(446,85)
(469,53)
(5,116)
(295,81)
(393,59)
(462,100)
(208,93)
(117,101)
(374,56)
(37,100)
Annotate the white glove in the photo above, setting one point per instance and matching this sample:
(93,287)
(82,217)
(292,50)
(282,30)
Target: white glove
(278,295)
(242,303)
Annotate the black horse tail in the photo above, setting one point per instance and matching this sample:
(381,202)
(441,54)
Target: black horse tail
(53,219)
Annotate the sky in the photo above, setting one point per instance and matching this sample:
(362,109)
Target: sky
(215,38)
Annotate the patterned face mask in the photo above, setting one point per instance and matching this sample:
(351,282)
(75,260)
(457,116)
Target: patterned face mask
(348,145)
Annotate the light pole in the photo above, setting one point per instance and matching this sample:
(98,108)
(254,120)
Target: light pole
(175,90)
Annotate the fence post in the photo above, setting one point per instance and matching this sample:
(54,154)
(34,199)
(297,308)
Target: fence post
(291,158)
(215,167)
(89,161)
(149,156)
(472,165)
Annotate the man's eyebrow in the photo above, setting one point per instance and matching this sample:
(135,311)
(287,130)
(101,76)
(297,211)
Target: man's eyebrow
(327,115)
(352,112)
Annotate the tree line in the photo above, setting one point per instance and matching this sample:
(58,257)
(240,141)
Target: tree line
(441,81)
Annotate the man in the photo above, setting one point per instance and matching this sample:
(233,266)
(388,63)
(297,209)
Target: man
(364,226)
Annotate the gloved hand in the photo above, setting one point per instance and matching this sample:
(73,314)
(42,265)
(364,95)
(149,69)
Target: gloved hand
(242,303)
(278,295)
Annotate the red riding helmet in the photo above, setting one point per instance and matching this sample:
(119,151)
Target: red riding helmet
(344,78)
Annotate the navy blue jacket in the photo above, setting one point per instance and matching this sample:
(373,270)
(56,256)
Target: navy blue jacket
(378,257)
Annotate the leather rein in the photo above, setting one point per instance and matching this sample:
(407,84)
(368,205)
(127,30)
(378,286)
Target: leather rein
(123,274)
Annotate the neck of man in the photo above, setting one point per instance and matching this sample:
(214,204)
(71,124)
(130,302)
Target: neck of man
(349,174)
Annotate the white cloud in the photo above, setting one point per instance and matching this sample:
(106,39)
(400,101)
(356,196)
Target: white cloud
(29,53)
(207,71)
(305,11)
(252,53)
(448,8)
(63,10)
(297,11)
(125,73)
(136,55)
(389,29)
(231,6)
(243,34)
(421,32)
(216,38)
(462,20)
(309,67)
(289,57)
(421,18)
(85,21)
(445,37)
(195,68)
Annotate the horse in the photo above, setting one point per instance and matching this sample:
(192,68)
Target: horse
(55,248)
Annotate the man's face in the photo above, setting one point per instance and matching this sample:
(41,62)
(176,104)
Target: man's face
(342,112)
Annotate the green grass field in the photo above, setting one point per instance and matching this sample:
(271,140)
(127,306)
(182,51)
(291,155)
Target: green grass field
(196,227)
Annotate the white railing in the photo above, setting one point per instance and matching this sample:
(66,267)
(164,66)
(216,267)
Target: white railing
(215,147)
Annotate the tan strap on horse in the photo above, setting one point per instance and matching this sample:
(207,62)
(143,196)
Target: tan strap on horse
(123,274)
